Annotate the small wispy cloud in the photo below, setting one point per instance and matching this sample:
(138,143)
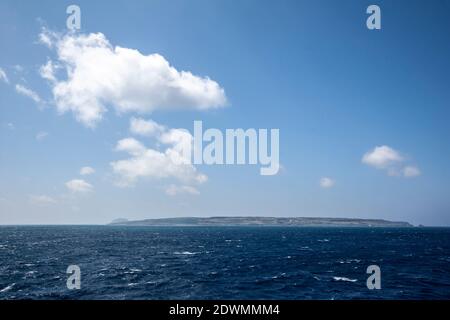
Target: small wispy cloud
(41,135)
(390,160)
(411,171)
(9,126)
(47,71)
(28,93)
(48,37)
(18,68)
(174,190)
(85,171)
(42,199)
(79,186)
(3,76)
(326,182)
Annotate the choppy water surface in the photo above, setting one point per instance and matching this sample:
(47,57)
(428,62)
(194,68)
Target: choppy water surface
(223,263)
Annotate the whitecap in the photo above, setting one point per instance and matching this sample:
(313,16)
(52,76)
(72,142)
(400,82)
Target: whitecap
(354,260)
(29,273)
(8,288)
(350,261)
(185,253)
(281,275)
(344,279)
(408,255)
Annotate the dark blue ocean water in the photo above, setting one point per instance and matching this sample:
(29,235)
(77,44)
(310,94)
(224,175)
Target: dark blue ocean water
(223,263)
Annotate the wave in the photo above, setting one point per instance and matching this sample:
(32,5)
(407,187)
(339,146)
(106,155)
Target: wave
(282,275)
(135,270)
(29,274)
(349,261)
(8,288)
(344,279)
(185,253)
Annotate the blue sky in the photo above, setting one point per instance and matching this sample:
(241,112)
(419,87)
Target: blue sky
(335,89)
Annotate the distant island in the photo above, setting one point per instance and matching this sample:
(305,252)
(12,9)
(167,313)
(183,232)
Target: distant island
(264,221)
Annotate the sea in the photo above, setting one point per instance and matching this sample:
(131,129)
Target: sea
(140,263)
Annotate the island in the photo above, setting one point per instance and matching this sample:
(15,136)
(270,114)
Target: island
(264,221)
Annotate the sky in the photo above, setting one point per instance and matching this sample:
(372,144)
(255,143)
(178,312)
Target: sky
(91,119)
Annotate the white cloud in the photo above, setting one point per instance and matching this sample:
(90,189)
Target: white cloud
(47,71)
(79,186)
(18,68)
(42,199)
(100,75)
(45,39)
(130,145)
(382,157)
(28,93)
(143,127)
(146,162)
(85,171)
(174,190)
(411,171)
(181,143)
(3,76)
(326,182)
(390,160)
(48,37)
(41,135)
